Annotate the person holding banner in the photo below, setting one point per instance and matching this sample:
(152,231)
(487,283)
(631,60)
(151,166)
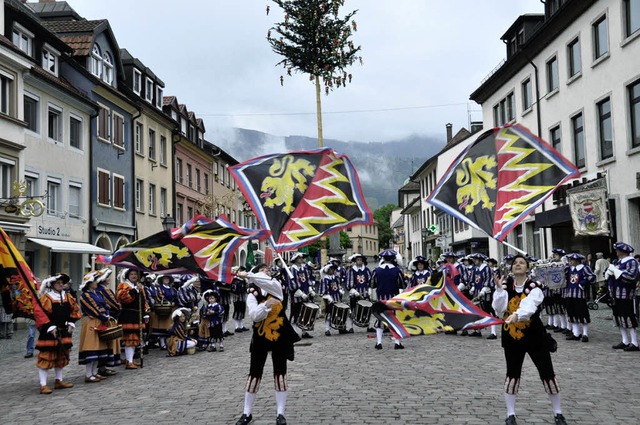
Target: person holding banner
(56,324)
(579,277)
(388,281)
(621,276)
(518,299)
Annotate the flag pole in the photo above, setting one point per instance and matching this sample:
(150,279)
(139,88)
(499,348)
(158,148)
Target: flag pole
(513,247)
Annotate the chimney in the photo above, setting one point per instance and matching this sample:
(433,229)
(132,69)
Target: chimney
(476,126)
(449,132)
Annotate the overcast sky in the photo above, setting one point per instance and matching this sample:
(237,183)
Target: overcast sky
(422,60)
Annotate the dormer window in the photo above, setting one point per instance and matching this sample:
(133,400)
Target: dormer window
(148,90)
(159,97)
(96,61)
(50,59)
(137,81)
(107,74)
(23,39)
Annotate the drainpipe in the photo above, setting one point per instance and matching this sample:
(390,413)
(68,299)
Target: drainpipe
(133,167)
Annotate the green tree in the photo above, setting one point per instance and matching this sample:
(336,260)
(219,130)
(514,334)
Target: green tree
(382,217)
(345,240)
(314,40)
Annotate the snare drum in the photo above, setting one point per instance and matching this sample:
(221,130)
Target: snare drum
(307,316)
(339,315)
(362,313)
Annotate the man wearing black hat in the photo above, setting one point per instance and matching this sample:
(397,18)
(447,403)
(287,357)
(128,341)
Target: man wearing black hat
(300,288)
(358,283)
(484,286)
(579,277)
(388,280)
(622,276)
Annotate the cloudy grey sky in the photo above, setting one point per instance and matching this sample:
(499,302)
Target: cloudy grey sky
(422,59)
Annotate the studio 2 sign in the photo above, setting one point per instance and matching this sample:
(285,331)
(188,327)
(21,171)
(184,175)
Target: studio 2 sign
(53,231)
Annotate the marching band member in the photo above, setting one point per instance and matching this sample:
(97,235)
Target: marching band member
(388,280)
(554,303)
(465,269)
(450,267)
(178,341)
(421,273)
(56,324)
(300,288)
(358,284)
(130,294)
(188,295)
(331,293)
(95,314)
(239,286)
(483,289)
(214,312)
(113,359)
(165,294)
(622,275)
(518,300)
(340,273)
(579,277)
(273,333)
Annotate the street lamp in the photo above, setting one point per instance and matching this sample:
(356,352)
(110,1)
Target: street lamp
(424,233)
(360,245)
(168,222)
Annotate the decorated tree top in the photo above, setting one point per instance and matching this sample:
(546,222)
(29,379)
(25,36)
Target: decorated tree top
(314,39)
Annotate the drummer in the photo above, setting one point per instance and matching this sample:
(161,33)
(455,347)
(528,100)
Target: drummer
(166,295)
(331,294)
(358,284)
(300,288)
(340,272)
(420,271)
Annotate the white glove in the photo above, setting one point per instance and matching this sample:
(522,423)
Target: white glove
(486,290)
(608,274)
(51,329)
(472,290)
(461,287)
(341,292)
(70,327)
(353,293)
(305,297)
(327,297)
(312,293)
(370,292)
(299,294)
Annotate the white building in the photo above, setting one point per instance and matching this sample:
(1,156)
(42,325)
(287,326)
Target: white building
(572,76)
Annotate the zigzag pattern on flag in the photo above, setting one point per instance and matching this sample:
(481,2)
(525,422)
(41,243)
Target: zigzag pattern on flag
(434,307)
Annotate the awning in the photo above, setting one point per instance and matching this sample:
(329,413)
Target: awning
(557,217)
(73,247)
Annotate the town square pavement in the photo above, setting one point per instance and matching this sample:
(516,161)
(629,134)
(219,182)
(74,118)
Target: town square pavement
(341,379)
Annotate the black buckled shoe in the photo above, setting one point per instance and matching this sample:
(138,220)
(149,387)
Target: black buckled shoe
(327,333)
(378,346)
(511,420)
(573,338)
(280,420)
(464,333)
(620,346)
(632,347)
(244,419)
(398,346)
(350,331)
(492,336)
(306,335)
(227,333)
(585,338)
(560,419)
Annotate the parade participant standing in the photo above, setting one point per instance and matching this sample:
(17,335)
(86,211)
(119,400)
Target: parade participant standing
(420,272)
(178,341)
(622,275)
(450,267)
(56,324)
(102,278)
(602,264)
(518,300)
(188,295)
(358,284)
(165,294)
(340,273)
(483,289)
(299,287)
(388,280)
(554,302)
(214,312)
(273,333)
(204,333)
(579,278)
(239,286)
(331,293)
(224,298)
(95,314)
(130,294)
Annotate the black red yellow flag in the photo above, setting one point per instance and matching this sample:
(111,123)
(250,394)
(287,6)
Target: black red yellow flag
(500,178)
(301,196)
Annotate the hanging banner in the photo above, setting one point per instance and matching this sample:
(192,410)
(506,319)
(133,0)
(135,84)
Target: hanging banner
(588,206)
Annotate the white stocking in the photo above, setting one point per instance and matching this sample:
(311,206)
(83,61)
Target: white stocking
(327,325)
(281,401)
(511,403)
(379,335)
(555,403)
(585,329)
(625,336)
(58,373)
(634,336)
(88,372)
(94,368)
(576,329)
(493,329)
(43,376)
(249,399)
(128,353)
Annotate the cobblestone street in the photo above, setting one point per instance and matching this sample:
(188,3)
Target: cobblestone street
(340,379)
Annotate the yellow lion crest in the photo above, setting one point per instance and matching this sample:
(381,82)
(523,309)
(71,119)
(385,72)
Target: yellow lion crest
(473,179)
(284,178)
(149,257)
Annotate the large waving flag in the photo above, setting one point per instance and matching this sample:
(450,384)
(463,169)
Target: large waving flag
(434,307)
(302,196)
(500,178)
(17,282)
(200,245)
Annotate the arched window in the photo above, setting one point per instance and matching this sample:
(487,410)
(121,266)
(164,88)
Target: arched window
(107,75)
(96,61)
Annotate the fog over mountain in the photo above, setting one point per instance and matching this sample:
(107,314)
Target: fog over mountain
(382,167)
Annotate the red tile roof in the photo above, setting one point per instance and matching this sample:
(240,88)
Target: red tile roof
(81,44)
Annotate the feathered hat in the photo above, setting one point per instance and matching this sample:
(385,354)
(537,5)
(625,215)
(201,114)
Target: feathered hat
(355,256)
(558,251)
(47,284)
(297,255)
(103,275)
(87,279)
(388,254)
(179,313)
(413,265)
(478,256)
(326,267)
(575,256)
(209,292)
